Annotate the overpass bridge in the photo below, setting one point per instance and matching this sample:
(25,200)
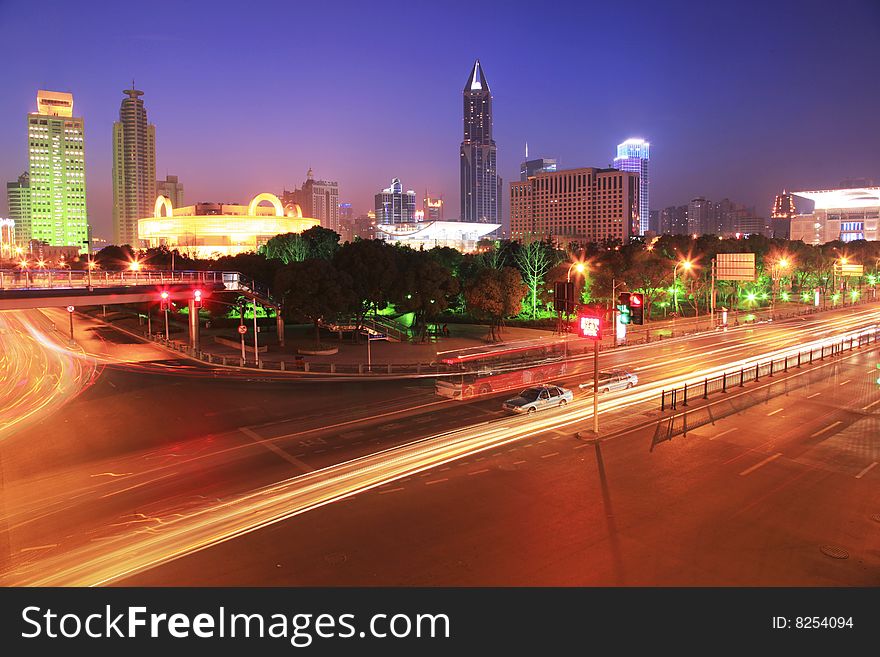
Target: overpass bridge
(65,288)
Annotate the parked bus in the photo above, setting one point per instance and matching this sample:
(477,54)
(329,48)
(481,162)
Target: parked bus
(505,366)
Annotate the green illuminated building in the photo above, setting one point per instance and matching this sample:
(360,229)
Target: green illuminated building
(56,153)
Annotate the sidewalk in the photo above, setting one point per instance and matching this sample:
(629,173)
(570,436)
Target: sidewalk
(387,357)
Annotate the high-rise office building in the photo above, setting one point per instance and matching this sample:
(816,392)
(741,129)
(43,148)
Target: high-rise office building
(538,165)
(134,168)
(634,155)
(394,206)
(480,183)
(654,221)
(172,189)
(318,199)
(57,173)
(576,205)
(847,214)
(674,220)
(699,216)
(432,207)
(18,205)
(781,215)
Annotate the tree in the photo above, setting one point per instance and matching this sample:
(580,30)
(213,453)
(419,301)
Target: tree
(287,247)
(313,290)
(534,260)
(114,258)
(424,287)
(495,294)
(323,242)
(372,266)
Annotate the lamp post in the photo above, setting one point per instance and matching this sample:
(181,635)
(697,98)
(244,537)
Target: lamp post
(90,265)
(686,265)
(580,268)
(775,275)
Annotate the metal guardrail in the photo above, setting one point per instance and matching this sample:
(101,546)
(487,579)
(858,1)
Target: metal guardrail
(41,279)
(679,397)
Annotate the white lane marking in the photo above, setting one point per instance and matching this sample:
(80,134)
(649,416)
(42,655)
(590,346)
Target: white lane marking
(778,410)
(390,490)
(815,394)
(267,443)
(723,433)
(762,463)
(843,383)
(547,456)
(866,470)
(830,426)
(476,472)
(436,481)
(873,403)
(518,462)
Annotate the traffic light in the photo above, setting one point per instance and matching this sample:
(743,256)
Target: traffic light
(623,299)
(197,298)
(637,308)
(623,314)
(165,300)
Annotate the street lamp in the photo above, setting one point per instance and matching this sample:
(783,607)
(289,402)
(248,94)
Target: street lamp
(90,265)
(775,275)
(687,265)
(580,268)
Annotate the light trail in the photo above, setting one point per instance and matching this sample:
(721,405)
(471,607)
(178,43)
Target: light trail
(173,535)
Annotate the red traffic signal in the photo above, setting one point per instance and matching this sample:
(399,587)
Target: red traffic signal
(590,327)
(637,307)
(635,299)
(164,300)
(197,298)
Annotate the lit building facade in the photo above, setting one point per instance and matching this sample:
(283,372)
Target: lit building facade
(318,199)
(634,155)
(847,215)
(18,206)
(529,168)
(433,208)
(134,168)
(211,230)
(781,215)
(56,147)
(481,190)
(394,206)
(674,220)
(172,189)
(587,205)
(459,235)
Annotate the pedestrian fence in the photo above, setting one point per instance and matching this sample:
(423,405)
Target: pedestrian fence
(679,397)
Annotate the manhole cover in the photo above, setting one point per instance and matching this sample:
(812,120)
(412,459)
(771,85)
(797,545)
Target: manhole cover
(876,517)
(834,552)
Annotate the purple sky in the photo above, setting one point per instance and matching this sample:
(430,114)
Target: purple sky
(738,99)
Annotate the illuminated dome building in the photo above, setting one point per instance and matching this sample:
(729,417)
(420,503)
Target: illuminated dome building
(211,230)
(461,235)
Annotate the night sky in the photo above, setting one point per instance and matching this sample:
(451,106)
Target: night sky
(738,99)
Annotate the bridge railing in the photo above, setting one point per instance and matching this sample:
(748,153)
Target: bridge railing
(41,279)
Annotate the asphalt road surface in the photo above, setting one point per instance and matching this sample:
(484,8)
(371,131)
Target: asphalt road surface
(160,472)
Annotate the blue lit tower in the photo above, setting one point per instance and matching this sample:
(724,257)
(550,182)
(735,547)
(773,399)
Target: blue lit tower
(480,184)
(633,155)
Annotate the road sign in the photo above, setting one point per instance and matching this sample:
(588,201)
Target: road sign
(242,329)
(564,296)
(849,270)
(590,327)
(735,267)
(70,309)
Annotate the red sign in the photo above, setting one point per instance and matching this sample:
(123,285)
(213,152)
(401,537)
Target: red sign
(242,329)
(590,327)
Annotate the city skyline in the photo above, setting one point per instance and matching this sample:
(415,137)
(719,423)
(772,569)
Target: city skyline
(709,145)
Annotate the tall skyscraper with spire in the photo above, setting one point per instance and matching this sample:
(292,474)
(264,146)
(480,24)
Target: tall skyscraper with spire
(134,168)
(480,183)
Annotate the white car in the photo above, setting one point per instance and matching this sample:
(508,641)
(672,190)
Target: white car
(533,399)
(611,381)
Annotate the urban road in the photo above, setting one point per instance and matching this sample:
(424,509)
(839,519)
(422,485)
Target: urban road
(156,472)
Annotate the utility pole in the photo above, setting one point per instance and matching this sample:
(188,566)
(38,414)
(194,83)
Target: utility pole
(256,338)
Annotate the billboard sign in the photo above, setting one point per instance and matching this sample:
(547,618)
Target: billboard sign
(590,327)
(735,267)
